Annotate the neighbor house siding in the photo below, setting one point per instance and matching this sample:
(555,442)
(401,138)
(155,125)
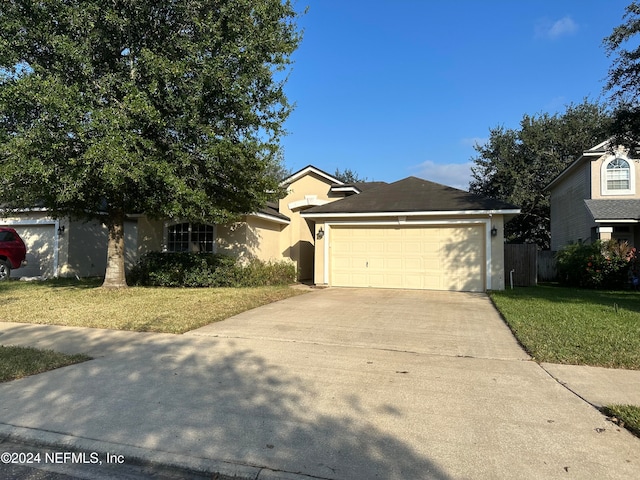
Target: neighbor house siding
(570,220)
(596,177)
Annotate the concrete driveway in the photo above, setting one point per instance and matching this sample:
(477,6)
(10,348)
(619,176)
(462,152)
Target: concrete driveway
(334,384)
(417,321)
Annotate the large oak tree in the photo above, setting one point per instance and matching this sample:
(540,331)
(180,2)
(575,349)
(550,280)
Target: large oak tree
(623,81)
(515,165)
(172,108)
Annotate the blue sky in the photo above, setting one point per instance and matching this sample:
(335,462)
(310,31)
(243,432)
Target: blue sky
(393,88)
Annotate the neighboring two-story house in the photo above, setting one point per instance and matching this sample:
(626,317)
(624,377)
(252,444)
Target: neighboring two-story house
(596,197)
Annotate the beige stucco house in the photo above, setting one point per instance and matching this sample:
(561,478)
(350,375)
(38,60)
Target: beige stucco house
(596,197)
(408,234)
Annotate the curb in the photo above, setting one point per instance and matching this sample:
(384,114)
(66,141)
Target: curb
(138,455)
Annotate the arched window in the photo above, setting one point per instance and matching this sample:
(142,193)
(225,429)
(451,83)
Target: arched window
(618,175)
(191,237)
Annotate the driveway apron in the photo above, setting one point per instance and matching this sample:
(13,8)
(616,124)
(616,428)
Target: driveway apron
(333,384)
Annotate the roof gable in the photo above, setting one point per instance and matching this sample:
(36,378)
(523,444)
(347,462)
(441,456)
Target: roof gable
(412,195)
(597,151)
(310,169)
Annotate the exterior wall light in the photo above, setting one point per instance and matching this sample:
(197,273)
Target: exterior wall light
(60,229)
(320,234)
(494,231)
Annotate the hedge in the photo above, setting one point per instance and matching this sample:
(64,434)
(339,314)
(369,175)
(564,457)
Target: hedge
(186,269)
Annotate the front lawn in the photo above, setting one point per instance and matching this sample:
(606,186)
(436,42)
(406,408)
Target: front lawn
(169,310)
(627,416)
(18,362)
(574,326)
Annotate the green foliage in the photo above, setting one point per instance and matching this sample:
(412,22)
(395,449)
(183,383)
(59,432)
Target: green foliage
(601,264)
(627,416)
(18,362)
(348,176)
(624,78)
(173,108)
(208,270)
(516,165)
(575,326)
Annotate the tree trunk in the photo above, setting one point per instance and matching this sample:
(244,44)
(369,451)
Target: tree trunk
(115,277)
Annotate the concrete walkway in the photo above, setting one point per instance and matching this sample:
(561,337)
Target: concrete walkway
(335,384)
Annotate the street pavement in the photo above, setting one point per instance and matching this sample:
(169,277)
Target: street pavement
(333,384)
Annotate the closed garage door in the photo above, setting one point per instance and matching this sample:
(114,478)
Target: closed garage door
(40,242)
(433,258)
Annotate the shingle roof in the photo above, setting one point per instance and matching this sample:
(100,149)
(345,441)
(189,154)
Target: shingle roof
(411,194)
(609,209)
(361,186)
(271,209)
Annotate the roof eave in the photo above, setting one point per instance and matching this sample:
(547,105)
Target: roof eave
(616,220)
(440,213)
(310,169)
(271,218)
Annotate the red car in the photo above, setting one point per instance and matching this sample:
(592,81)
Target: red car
(12,252)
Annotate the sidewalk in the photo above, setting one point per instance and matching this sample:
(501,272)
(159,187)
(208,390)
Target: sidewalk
(598,386)
(275,406)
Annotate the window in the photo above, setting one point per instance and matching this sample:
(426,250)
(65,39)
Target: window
(618,177)
(191,237)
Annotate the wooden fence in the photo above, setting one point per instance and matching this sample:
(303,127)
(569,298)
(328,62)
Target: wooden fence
(546,266)
(529,265)
(521,264)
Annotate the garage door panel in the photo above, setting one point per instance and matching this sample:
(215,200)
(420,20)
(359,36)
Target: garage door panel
(438,258)
(377,280)
(394,263)
(413,281)
(375,247)
(40,241)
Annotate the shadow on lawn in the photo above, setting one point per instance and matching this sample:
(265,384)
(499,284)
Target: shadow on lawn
(69,283)
(212,399)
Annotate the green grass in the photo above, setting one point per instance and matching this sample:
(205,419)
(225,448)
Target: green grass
(18,362)
(142,309)
(574,326)
(627,416)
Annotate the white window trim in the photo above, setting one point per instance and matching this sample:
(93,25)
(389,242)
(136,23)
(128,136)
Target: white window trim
(165,234)
(632,177)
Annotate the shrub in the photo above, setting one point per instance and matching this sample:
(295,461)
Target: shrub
(601,264)
(185,269)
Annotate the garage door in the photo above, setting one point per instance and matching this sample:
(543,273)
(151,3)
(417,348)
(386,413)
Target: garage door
(433,258)
(40,242)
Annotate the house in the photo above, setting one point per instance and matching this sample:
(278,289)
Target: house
(596,198)
(408,234)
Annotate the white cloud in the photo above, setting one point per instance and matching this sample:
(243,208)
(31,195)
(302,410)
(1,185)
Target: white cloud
(456,175)
(552,30)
